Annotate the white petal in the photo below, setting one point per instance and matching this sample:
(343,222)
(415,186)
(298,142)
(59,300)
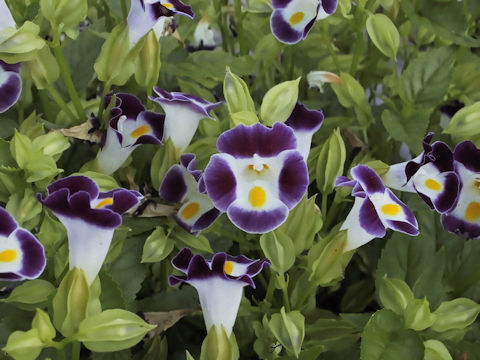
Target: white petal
(387,208)
(356,235)
(469,195)
(7,244)
(195,207)
(306,10)
(429,181)
(304,141)
(112,156)
(6,19)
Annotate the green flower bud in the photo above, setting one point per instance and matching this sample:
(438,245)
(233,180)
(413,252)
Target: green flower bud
(218,346)
(163,159)
(17,45)
(65,15)
(395,294)
(244,117)
(289,329)
(70,304)
(112,330)
(42,323)
(455,314)
(435,350)
(44,68)
(24,345)
(278,247)
(237,94)
(384,34)
(157,246)
(278,102)
(417,315)
(465,123)
(30,294)
(147,63)
(52,144)
(330,162)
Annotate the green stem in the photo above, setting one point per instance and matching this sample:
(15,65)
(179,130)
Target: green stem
(239,19)
(270,288)
(60,102)
(124,9)
(324,205)
(76,347)
(311,287)
(61,354)
(67,79)
(47,110)
(101,107)
(358,40)
(332,214)
(286,300)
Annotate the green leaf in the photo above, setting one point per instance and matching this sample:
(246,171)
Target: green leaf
(385,338)
(384,34)
(395,294)
(289,329)
(418,316)
(425,81)
(31,294)
(466,122)
(333,334)
(183,238)
(41,322)
(455,314)
(111,296)
(330,162)
(157,246)
(435,350)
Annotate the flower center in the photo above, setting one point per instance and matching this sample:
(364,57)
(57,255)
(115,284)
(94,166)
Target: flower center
(190,210)
(472,212)
(104,202)
(8,255)
(258,164)
(228,267)
(433,185)
(390,209)
(142,130)
(167,5)
(257,196)
(297,17)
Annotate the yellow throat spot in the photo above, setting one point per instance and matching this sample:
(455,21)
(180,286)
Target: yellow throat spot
(228,267)
(190,210)
(296,18)
(104,202)
(257,197)
(167,5)
(477,184)
(390,209)
(433,185)
(142,130)
(250,167)
(472,212)
(8,255)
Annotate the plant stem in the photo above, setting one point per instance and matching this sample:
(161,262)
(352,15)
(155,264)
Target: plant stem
(101,107)
(124,8)
(49,116)
(60,102)
(61,354)
(239,19)
(286,300)
(67,79)
(76,347)
(270,288)
(324,205)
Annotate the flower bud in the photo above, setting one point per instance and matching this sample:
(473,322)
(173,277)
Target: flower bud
(157,246)
(289,329)
(20,45)
(279,102)
(395,294)
(435,350)
(455,314)
(464,123)
(384,34)
(24,345)
(330,162)
(244,117)
(237,94)
(44,68)
(147,63)
(65,15)
(316,79)
(218,346)
(42,323)
(278,248)
(417,315)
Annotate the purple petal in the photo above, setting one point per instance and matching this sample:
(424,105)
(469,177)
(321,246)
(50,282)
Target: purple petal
(33,261)
(403,227)
(245,141)
(447,199)
(182,259)
(344,181)
(303,119)
(368,179)
(174,187)
(282,29)
(78,206)
(467,154)
(182,9)
(206,220)
(10,67)
(329,6)
(293,179)
(220,182)
(129,105)
(370,221)
(7,223)
(198,268)
(460,227)
(10,89)
(156,122)
(74,184)
(174,280)
(123,199)
(257,222)
(280,4)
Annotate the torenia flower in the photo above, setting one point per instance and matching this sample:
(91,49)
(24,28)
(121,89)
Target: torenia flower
(144,14)
(464,218)
(258,176)
(129,127)
(6,18)
(21,254)
(182,115)
(205,37)
(90,217)
(292,20)
(431,175)
(304,123)
(10,84)
(319,78)
(219,283)
(375,210)
(184,184)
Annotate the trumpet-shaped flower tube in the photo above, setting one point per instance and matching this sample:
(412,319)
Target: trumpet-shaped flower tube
(431,175)
(258,176)
(6,18)
(219,283)
(184,184)
(21,255)
(90,217)
(304,123)
(182,115)
(144,14)
(292,20)
(464,218)
(375,210)
(10,85)
(129,127)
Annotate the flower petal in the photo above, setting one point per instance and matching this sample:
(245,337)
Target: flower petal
(368,179)
(356,234)
(293,179)
(174,186)
(220,181)
(10,86)
(255,221)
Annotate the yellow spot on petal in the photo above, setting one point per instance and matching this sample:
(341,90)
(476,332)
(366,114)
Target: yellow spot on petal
(104,202)
(167,5)
(433,185)
(228,267)
(472,212)
(8,255)
(142,130)
(190,210)
(251,167)
(390,209)
(297,17)
(257,197)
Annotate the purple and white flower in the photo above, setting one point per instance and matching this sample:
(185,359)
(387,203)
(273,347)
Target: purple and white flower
(431,175)
(6,18)
(21,255)
(10,85)
(183,184)
(375,210)
(304,123)
(183,112)
(131,125)
(292,20)
(258,176)
(464,218)
(90,217)
(219,283)
(144,14)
